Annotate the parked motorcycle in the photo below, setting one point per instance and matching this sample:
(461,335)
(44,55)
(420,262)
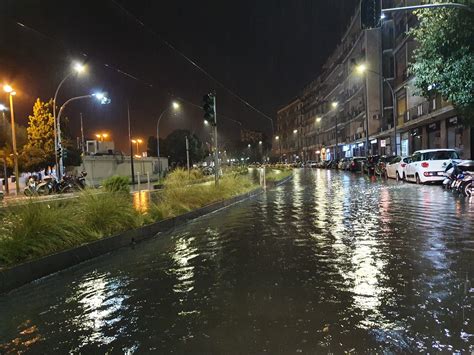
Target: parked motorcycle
(73,183)
(465,184)
(48,186)
(31,186)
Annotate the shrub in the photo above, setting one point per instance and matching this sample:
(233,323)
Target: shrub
(104,214)
(116,184)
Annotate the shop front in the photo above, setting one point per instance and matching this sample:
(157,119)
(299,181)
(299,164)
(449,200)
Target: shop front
(434,135)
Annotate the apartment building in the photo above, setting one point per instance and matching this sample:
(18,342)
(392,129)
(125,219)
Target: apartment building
(348,112)
(288,147)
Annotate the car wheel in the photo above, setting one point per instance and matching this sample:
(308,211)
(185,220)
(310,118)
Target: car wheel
(418,181)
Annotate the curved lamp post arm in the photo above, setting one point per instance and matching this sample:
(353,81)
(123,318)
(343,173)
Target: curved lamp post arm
(61,162)
(158,132)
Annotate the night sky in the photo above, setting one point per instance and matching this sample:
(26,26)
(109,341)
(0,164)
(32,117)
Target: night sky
(265,51)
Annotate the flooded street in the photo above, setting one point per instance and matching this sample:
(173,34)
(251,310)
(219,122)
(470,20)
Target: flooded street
(328,262)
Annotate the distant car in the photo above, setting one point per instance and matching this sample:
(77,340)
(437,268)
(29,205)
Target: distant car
(429,165)
(356,163)
(311,164)
(396,169)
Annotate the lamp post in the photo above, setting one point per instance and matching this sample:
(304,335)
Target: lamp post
(174,106)
(279,146)
(3,108)
(334,105)
(99,96)
(137,142)
(77,68)
(361,69)
(9,90)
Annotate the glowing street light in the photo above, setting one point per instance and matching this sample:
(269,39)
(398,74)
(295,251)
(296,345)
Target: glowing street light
(361,68)
(102,136)
(334,104)
(137,141)
(77,68)
(318,119)
(174,106)
(206,122)
(277,137)
(295,131)
(103,99)
(9,90)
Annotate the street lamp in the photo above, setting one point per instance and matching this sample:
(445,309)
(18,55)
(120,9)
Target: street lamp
(362,69)
(295,131)
(206,122)
(137,142)
(103,99)
(334,105)
(175,106)
(102,136)
(9,90)
(77,68)
(3,108)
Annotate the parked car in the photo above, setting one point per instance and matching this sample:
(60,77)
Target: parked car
(311,164)
(396,169)
(429,165)
(356,163)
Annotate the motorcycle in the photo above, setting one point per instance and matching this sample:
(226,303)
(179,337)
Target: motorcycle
(73,183)
(48,186)
(451,172)
(465,183)
(31,187)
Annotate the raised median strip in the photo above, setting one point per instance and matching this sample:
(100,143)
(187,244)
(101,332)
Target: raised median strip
(19,275)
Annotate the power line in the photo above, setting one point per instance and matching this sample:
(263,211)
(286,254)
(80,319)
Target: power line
(192,62)
(118,70)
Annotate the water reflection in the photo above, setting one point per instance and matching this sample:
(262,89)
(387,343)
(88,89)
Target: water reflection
(141,201)
(329,262)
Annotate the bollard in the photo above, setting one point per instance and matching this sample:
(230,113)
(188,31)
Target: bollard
(138,180)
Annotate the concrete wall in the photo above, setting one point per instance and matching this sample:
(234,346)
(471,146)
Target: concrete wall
(99,168)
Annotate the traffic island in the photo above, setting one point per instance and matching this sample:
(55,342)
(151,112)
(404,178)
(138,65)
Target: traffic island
(99,216)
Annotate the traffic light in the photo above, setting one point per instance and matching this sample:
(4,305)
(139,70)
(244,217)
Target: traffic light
(65,153)
(59,152)
(209,107)
(370,13)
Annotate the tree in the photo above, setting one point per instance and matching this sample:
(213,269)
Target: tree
(175,145)
(39,152)
(444,61)
(6,140)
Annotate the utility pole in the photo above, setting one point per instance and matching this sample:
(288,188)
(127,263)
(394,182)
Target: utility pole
(210,115)
(5,173)
(15,152)
(82,137)
(131,144)
(187,154)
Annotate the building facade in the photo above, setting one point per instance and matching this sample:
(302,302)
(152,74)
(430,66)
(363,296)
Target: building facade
(349,111)
(289,144)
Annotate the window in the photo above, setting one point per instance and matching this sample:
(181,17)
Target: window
(440,155)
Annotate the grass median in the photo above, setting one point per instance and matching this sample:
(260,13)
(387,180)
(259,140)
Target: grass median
(33,230)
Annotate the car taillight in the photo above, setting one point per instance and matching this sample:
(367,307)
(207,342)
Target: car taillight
(403,165)
(425,164)
(353,164)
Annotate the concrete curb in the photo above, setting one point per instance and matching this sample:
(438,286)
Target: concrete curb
(22,274)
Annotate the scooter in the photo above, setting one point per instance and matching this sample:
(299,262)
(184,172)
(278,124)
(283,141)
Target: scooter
(31,187)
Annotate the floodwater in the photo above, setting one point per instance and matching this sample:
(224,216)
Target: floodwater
(326,263)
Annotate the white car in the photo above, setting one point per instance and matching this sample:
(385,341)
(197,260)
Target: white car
(396,169)
(429,165)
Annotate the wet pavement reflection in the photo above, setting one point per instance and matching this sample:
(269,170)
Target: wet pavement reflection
(328,262)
